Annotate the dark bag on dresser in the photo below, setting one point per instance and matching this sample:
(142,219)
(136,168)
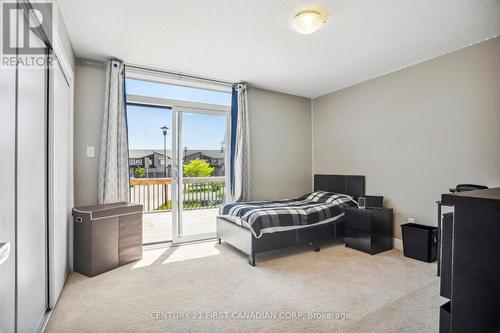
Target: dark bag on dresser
(106,236)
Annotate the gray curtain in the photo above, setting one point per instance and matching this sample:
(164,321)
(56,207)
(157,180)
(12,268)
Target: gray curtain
(241,177)
(113,180)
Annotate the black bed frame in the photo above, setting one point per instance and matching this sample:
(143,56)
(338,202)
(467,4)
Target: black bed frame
(243,239)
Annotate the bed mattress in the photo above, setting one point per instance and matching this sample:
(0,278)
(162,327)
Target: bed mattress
(271,216)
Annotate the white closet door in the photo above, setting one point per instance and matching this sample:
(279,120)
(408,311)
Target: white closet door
(60,177)
(7,190)
(31,198)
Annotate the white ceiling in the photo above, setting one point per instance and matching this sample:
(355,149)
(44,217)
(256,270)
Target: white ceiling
(252,40)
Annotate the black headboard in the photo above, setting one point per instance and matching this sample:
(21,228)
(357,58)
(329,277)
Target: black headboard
(350,185)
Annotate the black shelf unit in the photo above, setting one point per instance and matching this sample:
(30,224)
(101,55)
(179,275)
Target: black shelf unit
(470,273)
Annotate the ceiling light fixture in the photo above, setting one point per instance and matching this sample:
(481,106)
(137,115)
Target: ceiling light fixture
(308,21)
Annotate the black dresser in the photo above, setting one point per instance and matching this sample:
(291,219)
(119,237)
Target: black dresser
(369,230)
(470,262)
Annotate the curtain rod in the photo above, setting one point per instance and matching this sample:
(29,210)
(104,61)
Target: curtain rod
(100,63)
(91,62)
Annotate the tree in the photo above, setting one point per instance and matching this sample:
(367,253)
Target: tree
(198,168)
(139,172)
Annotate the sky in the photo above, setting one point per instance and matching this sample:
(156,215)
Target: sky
(199,131)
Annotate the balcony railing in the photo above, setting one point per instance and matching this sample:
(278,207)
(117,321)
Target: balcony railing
(155,194)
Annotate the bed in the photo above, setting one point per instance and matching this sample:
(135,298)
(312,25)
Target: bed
(257,227)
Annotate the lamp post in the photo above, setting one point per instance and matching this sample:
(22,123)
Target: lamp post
(164,130)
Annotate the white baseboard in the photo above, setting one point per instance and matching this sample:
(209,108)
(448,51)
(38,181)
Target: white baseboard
(398,243)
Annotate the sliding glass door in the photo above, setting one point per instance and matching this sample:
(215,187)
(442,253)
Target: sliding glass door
(177,166)
(150,168)
(200,177)
(178,146)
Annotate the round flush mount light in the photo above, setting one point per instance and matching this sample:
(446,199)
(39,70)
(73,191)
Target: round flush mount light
(307,22)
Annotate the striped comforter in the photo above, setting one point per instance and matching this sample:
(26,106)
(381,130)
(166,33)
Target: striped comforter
(271,216)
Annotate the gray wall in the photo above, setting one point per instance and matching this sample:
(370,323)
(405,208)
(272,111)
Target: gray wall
(416,132)
(89,107)
(62,32)
(280,133)
(280,139)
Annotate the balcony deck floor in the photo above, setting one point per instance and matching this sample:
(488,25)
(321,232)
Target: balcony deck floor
(157,227)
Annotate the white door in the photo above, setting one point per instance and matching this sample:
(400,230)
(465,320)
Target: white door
(32,258)
(150,170)
(60,178)
(200,157)
(7,211)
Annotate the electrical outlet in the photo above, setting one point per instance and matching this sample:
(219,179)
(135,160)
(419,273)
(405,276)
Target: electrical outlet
(411,220)
(90,151)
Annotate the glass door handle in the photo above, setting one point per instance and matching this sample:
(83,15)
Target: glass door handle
(4,252)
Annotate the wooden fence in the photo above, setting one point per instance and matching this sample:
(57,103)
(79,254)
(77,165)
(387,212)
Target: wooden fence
(155,194)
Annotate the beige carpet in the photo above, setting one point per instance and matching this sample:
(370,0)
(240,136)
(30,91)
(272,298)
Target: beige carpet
(382,293)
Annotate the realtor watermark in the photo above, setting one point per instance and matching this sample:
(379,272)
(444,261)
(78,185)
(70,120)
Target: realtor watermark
(249,315)
(27,30)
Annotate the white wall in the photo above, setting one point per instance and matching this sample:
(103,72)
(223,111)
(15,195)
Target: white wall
(89,107)
(280,139)
(416,132)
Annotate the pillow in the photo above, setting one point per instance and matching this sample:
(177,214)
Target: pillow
(328,197)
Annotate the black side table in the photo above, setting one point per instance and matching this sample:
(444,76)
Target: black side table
(369,230)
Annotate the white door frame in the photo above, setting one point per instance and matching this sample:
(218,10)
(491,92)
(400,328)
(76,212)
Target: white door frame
(179,107)
(178,156)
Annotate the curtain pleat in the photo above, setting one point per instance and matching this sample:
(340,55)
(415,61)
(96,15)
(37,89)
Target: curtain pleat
(241,163)
(234,125)
(113,178)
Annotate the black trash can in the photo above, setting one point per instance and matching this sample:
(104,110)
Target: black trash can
(420,241)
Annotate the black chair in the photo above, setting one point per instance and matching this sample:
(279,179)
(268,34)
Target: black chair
(467,187)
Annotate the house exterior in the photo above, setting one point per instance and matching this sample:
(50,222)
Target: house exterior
(214,157)
(153,161)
